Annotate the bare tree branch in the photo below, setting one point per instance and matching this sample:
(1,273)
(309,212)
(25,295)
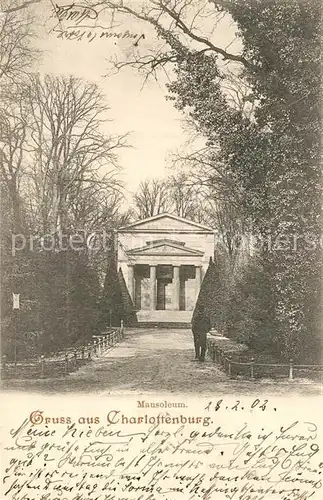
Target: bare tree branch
(21,6)
(152,198)
(13,132)
(180,23)
(16,52)
(154,16)
(69,157)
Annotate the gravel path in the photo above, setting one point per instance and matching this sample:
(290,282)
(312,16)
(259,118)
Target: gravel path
(157,361)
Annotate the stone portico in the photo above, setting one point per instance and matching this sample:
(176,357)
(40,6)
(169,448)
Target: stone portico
(163,260)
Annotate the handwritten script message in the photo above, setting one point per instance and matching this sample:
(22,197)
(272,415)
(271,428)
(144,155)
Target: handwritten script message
(82,22)
(160,455)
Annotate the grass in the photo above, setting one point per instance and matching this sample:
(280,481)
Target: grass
(240,353)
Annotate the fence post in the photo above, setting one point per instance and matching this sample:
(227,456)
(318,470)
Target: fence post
(121,328)
(222,358)
(66,363)
(89,351)
(75,357)
(42,364)
(229,365)
(291,369)
(213,353)
(252,369)
(94,347)
(82,353)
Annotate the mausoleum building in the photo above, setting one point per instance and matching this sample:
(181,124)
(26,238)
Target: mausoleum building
(163,260)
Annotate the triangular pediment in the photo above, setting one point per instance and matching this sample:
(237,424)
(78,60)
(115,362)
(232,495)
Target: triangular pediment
(165,247)
(166,222)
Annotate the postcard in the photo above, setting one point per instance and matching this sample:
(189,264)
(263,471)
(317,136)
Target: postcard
(161,250)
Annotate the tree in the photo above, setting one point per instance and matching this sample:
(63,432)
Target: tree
(176,194)
(13,134)
(59,174)
(59,177)
(249,309)
(151,198)
(129,312)
(18,6)
(186,198)
(112,301)
(286,81)
(67,294)
(203,306)
(53,152)
(17,55)
(68,151)
(179,22)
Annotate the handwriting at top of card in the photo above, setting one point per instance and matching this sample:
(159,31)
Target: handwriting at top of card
(75,13)
(85,23)
(171,454)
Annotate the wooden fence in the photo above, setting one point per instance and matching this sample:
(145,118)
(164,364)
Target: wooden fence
(63,362)
(253,370)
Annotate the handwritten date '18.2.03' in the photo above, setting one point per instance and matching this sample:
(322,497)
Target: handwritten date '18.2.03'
(109,460)
(255,405)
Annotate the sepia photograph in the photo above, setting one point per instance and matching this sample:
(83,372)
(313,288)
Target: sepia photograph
(161,196)
(161,249)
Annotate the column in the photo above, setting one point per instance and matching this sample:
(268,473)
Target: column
(131,284)
(198,280)
(153,295)
(176,288)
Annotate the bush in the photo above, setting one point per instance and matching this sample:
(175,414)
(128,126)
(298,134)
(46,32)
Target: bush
(240,303)
(129,312)
(59,294)
(116,303)
(202,312)
(251,309)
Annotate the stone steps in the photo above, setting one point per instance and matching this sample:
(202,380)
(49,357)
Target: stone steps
(162,324)
(164,316)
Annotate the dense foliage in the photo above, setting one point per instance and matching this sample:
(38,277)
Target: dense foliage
(116,303)
(59,294)
(273,163)
(60,191)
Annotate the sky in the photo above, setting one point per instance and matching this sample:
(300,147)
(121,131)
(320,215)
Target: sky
(155,126)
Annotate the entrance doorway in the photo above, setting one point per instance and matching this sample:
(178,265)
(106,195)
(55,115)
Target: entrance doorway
(164,299)
(164,294)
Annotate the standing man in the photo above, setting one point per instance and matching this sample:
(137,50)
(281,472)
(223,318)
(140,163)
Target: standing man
(201,325)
